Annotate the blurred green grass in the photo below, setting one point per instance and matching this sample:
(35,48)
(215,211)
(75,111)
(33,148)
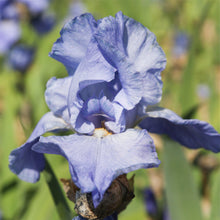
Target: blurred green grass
(20,111)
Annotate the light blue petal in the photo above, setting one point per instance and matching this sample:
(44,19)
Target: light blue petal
(56,96)
(89,102)
(95,111)
(190,133)
(95,162)
(83,125)
(71,47)
(119,123)
(26,163)
(132,49)
(92,69)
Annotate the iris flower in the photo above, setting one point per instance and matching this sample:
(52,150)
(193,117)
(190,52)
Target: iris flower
(20,57)
(150,201)
(114,66)
(9,34)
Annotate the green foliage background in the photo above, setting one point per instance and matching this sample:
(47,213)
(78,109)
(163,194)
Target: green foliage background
(22,104)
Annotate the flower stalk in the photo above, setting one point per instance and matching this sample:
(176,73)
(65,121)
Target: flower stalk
(56,192)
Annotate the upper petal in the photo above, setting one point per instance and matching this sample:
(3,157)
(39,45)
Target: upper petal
(91,158)
(92,69)
(94,106)
(133,50)
(190,133)
(26,163)
(71,47)
(120,122)
(56,95)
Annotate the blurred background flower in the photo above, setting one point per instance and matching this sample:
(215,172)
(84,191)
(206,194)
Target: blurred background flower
(180,44)
(20,57)
(151,205)
(9,34)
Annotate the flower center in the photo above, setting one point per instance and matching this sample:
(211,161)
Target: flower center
(101,132)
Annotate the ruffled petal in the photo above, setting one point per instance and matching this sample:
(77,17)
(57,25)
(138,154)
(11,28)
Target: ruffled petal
(56,96)
(132,49)
(98,110)
(91,162)
(26,163)
(190,133)
(71,47)
(120,122)
(93,69)
(82,125)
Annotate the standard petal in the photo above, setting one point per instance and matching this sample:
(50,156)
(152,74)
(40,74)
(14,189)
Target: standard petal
(133,50)
(95,162)
(80,111)
(120,122)
(190,133)
(56,96)
(71,47)
(26,163)
(93,69)
(95,111)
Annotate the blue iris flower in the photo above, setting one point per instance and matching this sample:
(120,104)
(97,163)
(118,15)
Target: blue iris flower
(43,23)
(181,44)
(150,202)
(20,57)
(114,83)
(10,33)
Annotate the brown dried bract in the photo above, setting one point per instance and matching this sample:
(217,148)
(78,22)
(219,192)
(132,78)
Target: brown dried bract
(115,199)
(70,189)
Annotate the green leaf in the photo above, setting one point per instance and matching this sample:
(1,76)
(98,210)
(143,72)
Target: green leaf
(182,195)
(57,193)
(187,95)
(215,197)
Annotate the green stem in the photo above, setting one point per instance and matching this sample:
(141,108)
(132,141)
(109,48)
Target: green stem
(57,194)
